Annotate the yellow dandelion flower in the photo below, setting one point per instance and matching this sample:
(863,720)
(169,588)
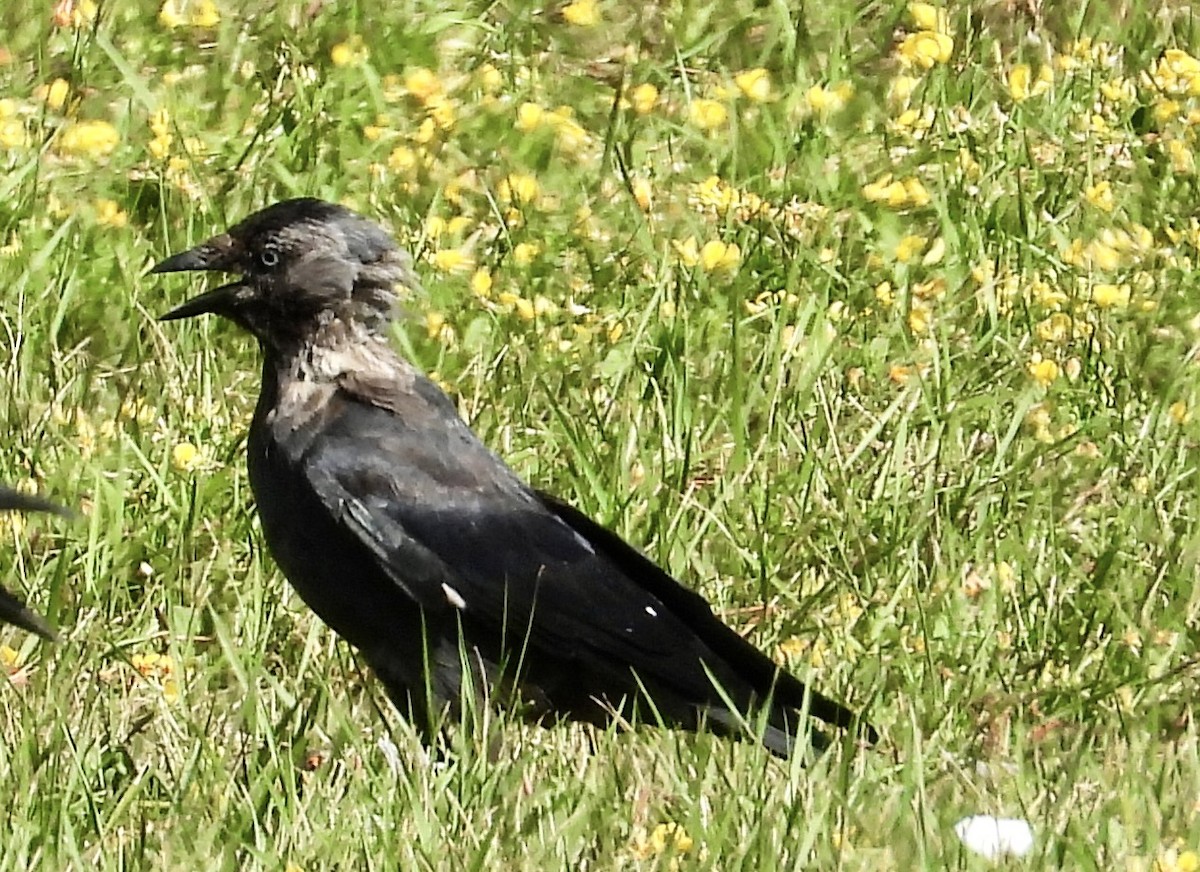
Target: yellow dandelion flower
(754,84)
(350,52)
(925,49)
(717,256)
(643,98)
(110,214)
(1043,370)
(451,260)
(1101,196)
(708,114)
(88,139)
(185,456)
(1179,412)
(582,13)
(1110,296)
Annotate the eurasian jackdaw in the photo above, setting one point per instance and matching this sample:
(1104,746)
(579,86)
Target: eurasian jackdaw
(12,610)
(419,546)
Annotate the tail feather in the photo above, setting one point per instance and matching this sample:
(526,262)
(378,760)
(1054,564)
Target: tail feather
(742,658)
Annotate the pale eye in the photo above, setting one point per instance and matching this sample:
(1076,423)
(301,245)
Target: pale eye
(269,258)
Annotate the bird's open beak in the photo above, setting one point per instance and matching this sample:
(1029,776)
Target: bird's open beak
(215,255)
(214,302)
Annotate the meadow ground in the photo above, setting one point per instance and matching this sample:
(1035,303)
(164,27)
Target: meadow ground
(874,322)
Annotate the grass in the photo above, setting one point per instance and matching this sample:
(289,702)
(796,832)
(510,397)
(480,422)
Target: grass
(932,443)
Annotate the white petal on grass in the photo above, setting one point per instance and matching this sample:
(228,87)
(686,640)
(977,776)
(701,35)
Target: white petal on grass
(994,837)
(391,754)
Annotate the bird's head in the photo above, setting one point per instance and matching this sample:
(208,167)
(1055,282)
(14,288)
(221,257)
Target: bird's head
(302,263)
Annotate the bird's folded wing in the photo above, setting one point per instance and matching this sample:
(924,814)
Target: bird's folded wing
(456,529)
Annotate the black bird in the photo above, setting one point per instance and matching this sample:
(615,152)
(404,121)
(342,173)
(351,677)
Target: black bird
(418,545)
(12,610)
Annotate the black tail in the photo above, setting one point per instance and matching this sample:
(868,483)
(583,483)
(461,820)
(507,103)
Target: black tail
(754,667)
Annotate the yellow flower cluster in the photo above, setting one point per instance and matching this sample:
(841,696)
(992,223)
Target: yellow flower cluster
(1176,72)
(91,139)
(643,98)
(160,668)
(826,100)
(714,256)
(1022,84)
(666,837)
(74,13)
(708,114)
(569,133)
(931,44)
(189,13)
(896,193)
(351,51)
(53,95)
